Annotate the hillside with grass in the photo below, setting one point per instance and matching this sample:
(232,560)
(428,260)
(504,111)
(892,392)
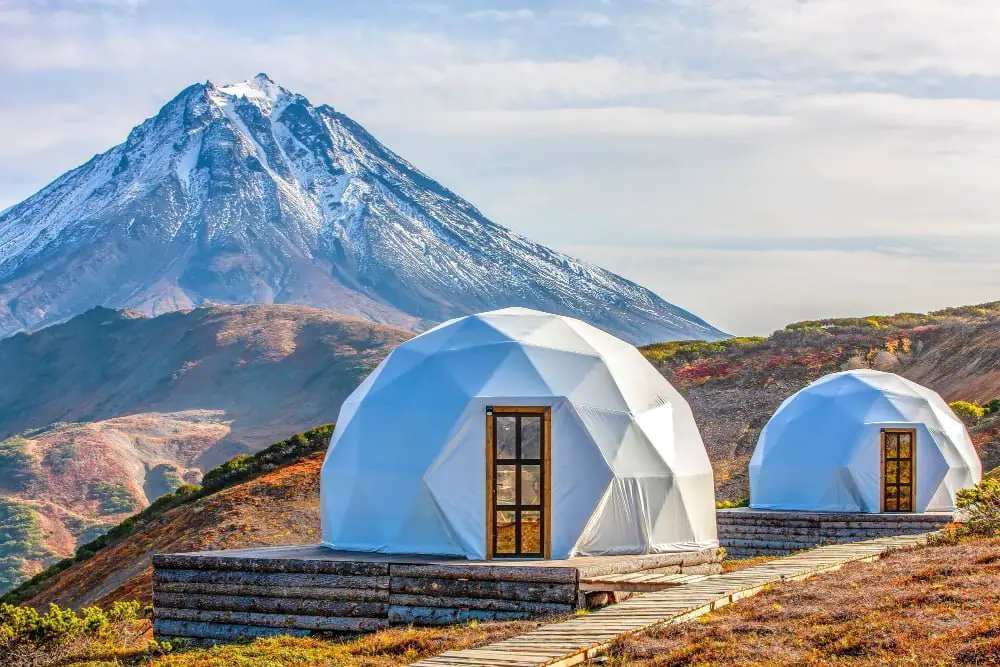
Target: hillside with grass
(103,414)
(266,499)
(734,386)
(936,605)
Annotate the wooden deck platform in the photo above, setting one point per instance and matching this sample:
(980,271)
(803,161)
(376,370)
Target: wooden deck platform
(746,532)
(227,595)
(579,639)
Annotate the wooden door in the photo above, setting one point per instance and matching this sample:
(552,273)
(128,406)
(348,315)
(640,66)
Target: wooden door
(899,448)
(518,482)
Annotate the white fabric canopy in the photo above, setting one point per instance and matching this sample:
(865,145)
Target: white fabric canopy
(405,472)
(821,450)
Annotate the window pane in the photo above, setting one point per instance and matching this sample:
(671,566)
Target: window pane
(531,437)
(531,485)
(904,472)
(891,468)
(506,437)
(904,499)
(904,446)
(891,498)
(506,485)
(505,533)
(531,532)
(891,448)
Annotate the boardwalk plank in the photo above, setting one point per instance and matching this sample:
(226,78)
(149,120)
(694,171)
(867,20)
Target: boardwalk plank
(577,640)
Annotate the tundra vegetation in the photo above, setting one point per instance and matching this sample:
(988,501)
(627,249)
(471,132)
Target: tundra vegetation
(20,539)
(15,464)
(234,471)
(878,613)
(972,413)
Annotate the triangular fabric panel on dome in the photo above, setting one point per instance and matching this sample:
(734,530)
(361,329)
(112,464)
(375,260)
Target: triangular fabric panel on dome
(582,378)
(557,334)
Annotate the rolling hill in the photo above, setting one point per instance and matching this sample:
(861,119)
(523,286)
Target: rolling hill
(105,413)
(733,387)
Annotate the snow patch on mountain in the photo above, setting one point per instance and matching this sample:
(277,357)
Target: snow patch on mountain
(248,193)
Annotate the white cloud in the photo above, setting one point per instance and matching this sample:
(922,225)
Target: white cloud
(502,15)
(583,19)
(955,37)
(595,121)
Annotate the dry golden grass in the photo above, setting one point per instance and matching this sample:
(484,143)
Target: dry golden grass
(938,605)
(736,564)
(396,646)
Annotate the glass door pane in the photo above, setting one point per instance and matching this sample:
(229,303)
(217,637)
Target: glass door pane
(898,450)
(518,477)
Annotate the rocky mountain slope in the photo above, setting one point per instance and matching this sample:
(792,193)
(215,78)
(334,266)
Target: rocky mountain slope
(733,386)
(247,193)
(105,413)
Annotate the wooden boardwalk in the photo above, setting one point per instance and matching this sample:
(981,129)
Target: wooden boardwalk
(643,581)
(574,641)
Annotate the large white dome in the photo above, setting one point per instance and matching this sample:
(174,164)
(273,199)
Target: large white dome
(406,471)
(823,449)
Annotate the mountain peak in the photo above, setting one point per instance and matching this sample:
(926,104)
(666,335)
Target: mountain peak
(246,193)
(260,90)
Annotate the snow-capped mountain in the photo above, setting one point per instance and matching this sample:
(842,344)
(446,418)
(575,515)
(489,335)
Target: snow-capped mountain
(247,193)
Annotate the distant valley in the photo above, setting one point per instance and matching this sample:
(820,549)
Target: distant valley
(107,412)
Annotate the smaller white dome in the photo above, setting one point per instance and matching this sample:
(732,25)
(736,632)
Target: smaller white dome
(823,449)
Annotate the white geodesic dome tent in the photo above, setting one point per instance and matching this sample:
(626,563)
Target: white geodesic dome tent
(823,449)
(406,471)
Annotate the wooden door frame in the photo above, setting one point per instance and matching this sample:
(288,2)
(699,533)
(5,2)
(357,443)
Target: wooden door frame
(913,469)
(546,412)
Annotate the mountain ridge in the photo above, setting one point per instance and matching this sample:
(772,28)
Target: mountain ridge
(247,193)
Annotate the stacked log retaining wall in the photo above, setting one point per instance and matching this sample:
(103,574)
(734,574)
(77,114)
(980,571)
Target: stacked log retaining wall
(747,532)
(210,598)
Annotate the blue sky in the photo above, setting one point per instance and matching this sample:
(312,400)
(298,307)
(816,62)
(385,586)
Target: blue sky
(755,161)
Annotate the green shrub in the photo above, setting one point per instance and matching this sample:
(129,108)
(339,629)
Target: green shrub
(172,479)
(241,468)
(692,350)
(219,477)
(729,504)
(993,407)
(969,413)
(20,539)
(113,498)
(60,635)
(15,463)
(981,508)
